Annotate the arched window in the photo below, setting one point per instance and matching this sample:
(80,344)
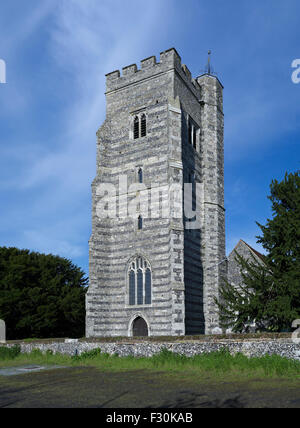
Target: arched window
(140,126)
(136,130)
(140,282)
(140,222)
(140,176)
(143,126)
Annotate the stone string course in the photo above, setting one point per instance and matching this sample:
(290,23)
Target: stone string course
(254,348)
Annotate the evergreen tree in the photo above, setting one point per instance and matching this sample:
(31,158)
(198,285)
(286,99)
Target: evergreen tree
(270,294)
(41,296)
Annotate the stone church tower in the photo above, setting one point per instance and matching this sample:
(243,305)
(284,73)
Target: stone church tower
(153,274)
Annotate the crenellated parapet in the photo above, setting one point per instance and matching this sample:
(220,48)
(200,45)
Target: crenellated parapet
(169,60)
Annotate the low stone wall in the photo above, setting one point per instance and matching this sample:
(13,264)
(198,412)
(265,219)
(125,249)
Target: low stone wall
(252,348)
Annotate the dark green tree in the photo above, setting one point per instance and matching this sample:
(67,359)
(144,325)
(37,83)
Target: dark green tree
(41,296)
(270,293)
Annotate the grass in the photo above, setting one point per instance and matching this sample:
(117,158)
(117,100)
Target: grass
(217,364)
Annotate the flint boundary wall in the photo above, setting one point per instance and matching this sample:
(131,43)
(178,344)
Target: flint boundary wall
(251,348)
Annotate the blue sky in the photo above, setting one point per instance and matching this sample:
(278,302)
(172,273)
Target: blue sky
(57,52)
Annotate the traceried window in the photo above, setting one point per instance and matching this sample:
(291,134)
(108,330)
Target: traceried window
(140,282)
(140,126)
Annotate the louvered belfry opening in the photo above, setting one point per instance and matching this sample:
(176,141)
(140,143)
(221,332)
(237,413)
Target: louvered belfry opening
(140,283)
(140,126)
(136,131)
(140,328)
(143,126)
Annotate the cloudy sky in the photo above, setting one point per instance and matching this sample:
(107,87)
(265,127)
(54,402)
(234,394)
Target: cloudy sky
(57,52)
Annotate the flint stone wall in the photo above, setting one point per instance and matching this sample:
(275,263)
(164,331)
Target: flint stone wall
(254,348)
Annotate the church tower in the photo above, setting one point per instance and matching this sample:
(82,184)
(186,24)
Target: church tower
(157,250)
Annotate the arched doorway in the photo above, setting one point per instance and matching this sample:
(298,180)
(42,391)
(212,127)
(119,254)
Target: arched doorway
(139,328)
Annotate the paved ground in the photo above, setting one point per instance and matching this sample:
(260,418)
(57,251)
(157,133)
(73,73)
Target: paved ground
(88,387)
(15,371)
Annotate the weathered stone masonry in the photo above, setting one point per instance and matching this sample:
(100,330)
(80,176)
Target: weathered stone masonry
(186,264)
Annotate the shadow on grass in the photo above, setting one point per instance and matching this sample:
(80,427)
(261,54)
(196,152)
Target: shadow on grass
(191,399)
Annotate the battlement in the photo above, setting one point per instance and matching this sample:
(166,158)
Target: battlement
(169,60)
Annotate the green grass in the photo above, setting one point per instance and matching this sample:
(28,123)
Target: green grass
(217,364)
(8,354)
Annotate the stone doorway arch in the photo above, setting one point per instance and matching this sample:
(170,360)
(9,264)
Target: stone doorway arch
(140,328)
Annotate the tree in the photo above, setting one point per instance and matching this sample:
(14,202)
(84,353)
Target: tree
(270,294)
(41,296)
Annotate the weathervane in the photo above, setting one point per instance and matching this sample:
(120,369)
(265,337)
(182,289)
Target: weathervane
(209,63)
(209,69)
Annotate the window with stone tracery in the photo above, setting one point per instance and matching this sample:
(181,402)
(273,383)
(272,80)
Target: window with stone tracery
(140,282)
